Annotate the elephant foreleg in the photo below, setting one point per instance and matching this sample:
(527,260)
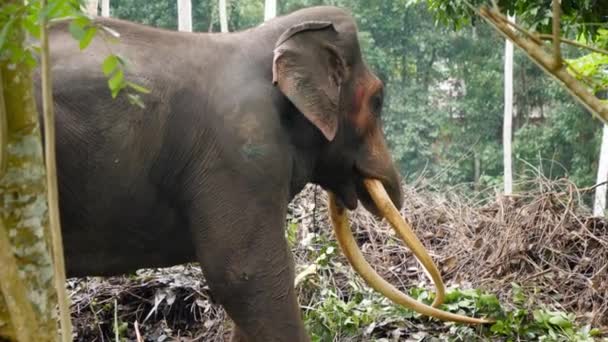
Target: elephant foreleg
(249,268)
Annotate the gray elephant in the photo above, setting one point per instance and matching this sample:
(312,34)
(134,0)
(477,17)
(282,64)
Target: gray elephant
(234,127)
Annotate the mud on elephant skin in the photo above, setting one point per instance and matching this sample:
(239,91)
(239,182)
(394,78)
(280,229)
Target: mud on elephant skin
(235,125)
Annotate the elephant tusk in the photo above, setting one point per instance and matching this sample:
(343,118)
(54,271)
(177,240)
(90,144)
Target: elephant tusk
(352,252)
(391,214)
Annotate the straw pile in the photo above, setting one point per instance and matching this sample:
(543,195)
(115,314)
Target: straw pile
(543,239)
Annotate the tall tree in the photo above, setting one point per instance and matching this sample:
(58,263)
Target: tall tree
(184,15)
(270,9)
(599,205)
(507,131)
(223,16)
(91,7)
(105,8)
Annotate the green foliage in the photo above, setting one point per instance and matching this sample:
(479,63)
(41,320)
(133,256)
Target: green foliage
(30,16)
(356,311)
(82,29)
(444,88)
(291,233)
(539,324)
(113,67)
(205,16)
(555,148)
(577,17)
(592,68)
(443,108)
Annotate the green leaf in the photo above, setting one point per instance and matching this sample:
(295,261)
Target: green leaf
(18,55)
(82,21)
(116,82)
(540,316)
(518,294)
(109,65)
(560,320)
(489,300)
(595,332)
(32,27)
(57,9)
(88,37)
(5,31)
(76,30)
(30,60)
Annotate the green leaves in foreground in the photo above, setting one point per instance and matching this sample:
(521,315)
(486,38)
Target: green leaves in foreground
(83,31)
(113,67)
(14,17)
(367,313)
(592,68)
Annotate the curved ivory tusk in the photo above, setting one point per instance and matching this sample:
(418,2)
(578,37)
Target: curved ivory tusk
(352,252)
(391,214)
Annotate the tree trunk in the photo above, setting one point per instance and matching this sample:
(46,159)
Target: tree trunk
(476,170)
(223,16)
(270,9)
(28,300)
(92,7)
(184,15)
(507,128)
(602,176)
(105,8)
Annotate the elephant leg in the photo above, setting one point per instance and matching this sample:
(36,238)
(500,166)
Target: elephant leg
(249,267)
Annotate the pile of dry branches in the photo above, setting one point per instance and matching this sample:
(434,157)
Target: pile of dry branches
(168,304)
(543,239)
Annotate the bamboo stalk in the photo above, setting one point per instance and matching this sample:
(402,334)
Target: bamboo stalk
(51,179)
(3,131)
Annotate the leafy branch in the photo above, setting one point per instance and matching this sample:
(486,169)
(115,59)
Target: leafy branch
(551,63)
(81,27)
(574,43)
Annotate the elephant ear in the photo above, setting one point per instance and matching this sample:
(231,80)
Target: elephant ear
(309,70)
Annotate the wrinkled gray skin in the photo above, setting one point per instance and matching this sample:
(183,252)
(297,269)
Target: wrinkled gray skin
(235,125)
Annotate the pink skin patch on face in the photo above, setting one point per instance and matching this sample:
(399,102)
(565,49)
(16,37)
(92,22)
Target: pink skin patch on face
(359,95)
(358,118)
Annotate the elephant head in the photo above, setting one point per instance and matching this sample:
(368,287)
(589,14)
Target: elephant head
(318,66)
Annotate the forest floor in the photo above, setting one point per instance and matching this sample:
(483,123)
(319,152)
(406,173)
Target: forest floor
(540,253)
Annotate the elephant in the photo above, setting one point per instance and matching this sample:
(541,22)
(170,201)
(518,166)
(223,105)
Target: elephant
(233,127)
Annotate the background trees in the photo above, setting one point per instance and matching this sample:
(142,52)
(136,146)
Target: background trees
(444,107)
(184,15)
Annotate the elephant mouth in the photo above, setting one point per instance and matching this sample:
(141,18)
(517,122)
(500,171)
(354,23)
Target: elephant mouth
(383,205)
(366,199)
(363,195)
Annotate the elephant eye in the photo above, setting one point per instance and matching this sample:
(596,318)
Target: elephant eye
(376,103)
